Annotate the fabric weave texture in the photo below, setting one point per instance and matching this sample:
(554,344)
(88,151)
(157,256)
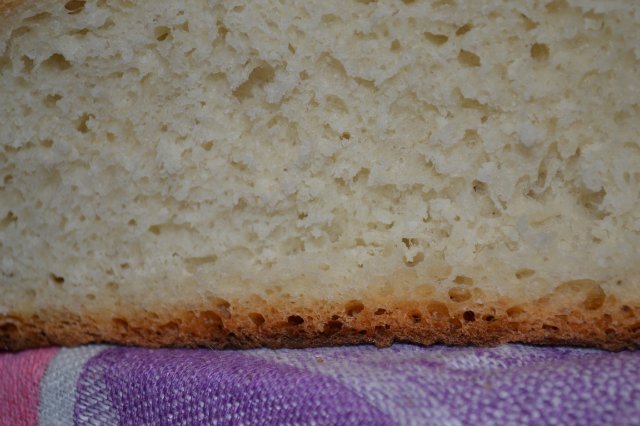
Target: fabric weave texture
(403,384)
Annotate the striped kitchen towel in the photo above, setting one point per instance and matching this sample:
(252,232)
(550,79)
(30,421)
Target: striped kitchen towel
(403,384)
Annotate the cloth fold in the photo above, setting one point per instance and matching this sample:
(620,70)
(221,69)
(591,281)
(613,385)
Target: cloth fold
(403,384)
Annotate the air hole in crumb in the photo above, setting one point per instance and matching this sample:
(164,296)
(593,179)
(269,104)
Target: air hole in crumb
(211,319)
(417,258)
(259,77)
(458,294)
(51,100)
(549,327)
(57,62)
(540,52)
(7,179)
(380,311)
(120,324)
(81,124)
(408,1)
(91,296)
(257,318)
(154,229)
(332,326)
(489,318)
(524,273)
(410,242)
(124,266)
(46,143)
(132,222)
(27,64)
(468,59)
(595,299)
(345,136)
(56,279)
(294,320)
(469,316)
(463,280)
(464,29)
(515,312)
(438,310)
(292,49)
(528,23)
(353,307)
(395,46)
(479,187)
(556,6)
(74,6)
(112,286)
(161,33)
(437,39)
(8,328)
(415,315)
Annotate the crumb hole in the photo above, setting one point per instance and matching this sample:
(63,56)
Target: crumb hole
(556,6)
(112,286)
(437,39)
(415,315)
(540,52)
(81,124)
(51,100)
(332,326)
(438,310)
(458,294)
(259,77)
(479,187)
(295,320)
(56,279)
(549,327)
(595,298)
(57,62)
(154,229)
(46,143)
(27,64)
(353,307)
(469,316)
(524,273)
(395,46)
(515,312)
(161,33)
(210,318)
(463,280)
(207,146)
(8,328)
(380,311)
(464,29)
(417,258)
(132,222)
(257,318)
(468,59)
(345,136)
(74,6)
(120,324)
(91,296)
(489,318)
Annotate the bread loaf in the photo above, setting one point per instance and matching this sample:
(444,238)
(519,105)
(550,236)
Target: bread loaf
(297,173)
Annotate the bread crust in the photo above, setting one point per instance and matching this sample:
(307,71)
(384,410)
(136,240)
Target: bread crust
(243,326)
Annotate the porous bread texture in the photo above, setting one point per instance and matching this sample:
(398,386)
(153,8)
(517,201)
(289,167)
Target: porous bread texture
(172,154)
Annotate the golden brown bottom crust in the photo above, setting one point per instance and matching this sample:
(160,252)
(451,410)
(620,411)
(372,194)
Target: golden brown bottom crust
(614,326)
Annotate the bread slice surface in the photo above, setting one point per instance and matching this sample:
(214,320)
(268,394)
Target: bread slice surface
(239,174)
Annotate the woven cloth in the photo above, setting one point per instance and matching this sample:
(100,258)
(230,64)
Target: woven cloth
(403,384)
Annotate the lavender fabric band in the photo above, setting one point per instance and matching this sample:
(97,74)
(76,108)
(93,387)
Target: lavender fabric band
(404,384)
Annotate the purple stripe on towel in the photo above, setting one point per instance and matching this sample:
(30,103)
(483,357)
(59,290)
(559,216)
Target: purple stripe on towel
(144,386)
